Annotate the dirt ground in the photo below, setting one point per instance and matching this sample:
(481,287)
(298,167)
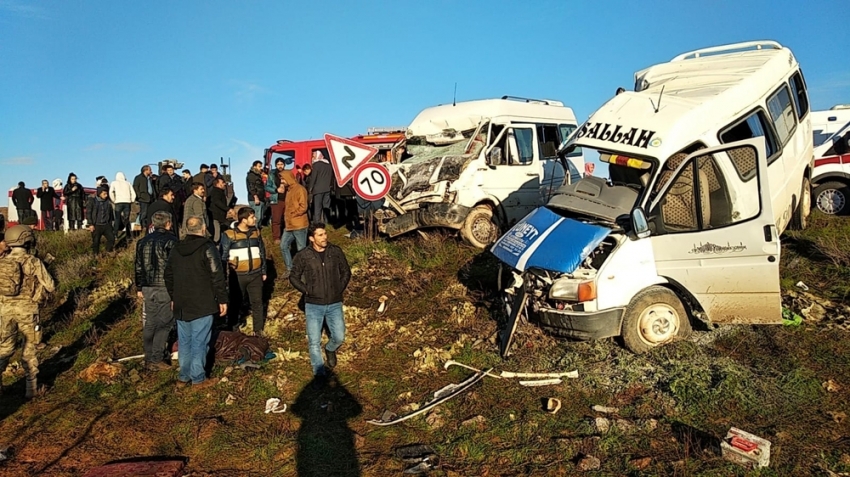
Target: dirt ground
(787,384)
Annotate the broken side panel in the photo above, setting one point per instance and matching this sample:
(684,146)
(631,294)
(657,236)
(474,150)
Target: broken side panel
(546,240)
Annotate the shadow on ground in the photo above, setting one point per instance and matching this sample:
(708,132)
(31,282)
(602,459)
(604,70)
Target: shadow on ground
(325,442)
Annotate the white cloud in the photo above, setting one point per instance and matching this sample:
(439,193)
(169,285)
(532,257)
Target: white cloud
(22,9)
(247,91)
(119,147)
(18,161)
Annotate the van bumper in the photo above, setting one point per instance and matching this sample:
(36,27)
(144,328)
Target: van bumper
(582,325)
(428,215)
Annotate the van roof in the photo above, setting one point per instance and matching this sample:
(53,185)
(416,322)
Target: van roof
(467,114)
(702,91)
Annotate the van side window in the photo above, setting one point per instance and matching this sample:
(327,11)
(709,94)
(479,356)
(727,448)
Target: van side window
(755,125)
(566,130)
(782,114)
(547,140)
(524,154)
(702,197)
(801,98)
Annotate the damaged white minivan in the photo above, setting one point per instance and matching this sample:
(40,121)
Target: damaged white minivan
(478,167)
(710,160)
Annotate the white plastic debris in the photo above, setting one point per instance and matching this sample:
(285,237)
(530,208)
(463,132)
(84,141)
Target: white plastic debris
(802,286)
(274,405)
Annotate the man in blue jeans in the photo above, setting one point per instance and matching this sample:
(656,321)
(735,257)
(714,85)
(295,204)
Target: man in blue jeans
(194,278)
(321,273)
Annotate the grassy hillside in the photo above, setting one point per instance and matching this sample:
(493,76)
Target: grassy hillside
(673,404)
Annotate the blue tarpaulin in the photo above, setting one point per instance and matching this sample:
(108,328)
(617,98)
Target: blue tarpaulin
(544,239)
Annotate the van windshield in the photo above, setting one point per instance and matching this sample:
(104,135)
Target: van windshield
(418,149)
(605,199)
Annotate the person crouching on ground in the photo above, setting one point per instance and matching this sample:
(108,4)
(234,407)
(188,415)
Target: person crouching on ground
(194,278)
(152,253)
(321,273)
(243,249)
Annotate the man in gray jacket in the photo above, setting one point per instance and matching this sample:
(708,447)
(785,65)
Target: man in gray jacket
(195,206)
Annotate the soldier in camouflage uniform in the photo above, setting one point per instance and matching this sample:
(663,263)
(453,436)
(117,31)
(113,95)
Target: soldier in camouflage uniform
(19,311)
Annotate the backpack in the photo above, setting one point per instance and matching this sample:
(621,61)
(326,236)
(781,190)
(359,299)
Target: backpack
(11,277)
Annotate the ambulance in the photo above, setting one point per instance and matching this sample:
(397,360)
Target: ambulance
(831,176)
(710,160)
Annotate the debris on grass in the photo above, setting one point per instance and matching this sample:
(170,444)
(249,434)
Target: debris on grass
(230,399)
(478,421)
(101,371)
(605,409)
(540,382)
(588,463)
(837,416)
(745,449)
(383,304)
(552,405)
(831,386)
(602,425)
(273,405)
(802,286)
(641,464)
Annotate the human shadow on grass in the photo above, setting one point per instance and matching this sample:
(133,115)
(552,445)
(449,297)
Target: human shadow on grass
(325,442)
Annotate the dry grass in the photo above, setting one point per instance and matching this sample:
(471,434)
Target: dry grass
(673,403)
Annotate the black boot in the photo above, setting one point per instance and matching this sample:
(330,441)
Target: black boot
(331,358)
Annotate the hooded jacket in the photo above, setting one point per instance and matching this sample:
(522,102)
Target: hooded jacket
(295,215)
(72,194)
(121,191)
(194,278)
(99,211)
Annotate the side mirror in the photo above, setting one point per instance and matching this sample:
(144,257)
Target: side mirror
(494,157)
(639,223)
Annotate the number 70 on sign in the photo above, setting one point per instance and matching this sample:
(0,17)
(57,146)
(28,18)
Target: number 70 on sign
(372,181)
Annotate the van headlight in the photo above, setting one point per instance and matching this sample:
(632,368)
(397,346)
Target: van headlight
(570,289)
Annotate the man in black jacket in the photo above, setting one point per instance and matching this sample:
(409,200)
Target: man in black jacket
(321,273)
(320,185)
(218,207)
(143,185)
(165,203)
(74,196)
(256,190)
(152,253)
(195,281)
(47,197)
(22,199)
(100,216)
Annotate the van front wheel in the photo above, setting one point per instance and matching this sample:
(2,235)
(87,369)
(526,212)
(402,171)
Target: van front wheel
(478,229)
(800,219)
(654,317)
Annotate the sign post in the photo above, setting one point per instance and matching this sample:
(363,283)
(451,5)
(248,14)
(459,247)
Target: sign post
(347,156)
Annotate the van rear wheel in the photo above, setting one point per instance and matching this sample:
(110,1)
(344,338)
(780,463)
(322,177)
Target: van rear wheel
(654,317)
(478,229)
(831,198)
(800,219)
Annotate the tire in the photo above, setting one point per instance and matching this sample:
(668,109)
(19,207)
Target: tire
(831,198)
(800,219)
(479,229)
(654,317)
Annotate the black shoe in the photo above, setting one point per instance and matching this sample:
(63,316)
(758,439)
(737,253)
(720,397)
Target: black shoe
(331,358)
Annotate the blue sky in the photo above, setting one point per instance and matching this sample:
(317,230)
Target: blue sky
(97,87)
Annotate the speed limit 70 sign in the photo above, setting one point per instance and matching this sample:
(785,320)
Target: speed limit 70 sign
(371,181)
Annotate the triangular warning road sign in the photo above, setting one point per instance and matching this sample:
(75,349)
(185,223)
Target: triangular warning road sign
(346,155)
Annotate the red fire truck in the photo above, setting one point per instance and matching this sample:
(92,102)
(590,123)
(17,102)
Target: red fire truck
(298,153)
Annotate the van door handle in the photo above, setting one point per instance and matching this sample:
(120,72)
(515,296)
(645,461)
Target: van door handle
(768,235)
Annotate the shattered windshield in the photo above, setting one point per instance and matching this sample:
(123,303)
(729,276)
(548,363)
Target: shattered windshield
(469,142)
(602,198)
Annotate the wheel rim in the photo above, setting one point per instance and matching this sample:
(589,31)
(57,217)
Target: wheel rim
(831,201)
(658,323)
(482,230)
